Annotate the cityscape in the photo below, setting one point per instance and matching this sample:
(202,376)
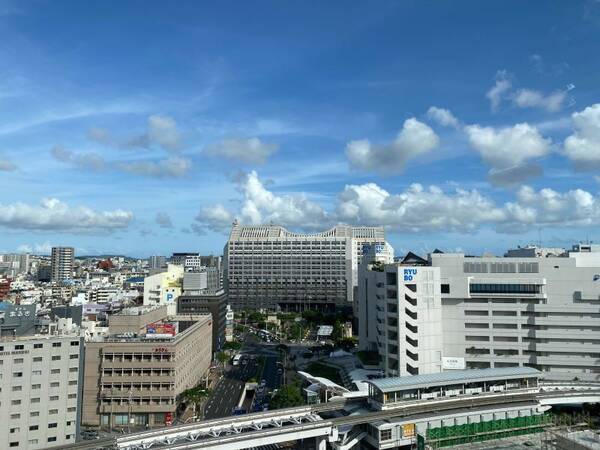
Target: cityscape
(299,225)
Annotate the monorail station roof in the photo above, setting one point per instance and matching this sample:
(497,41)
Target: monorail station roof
(451,377)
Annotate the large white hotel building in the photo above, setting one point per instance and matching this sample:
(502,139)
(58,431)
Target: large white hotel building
(268,266)
(451,311)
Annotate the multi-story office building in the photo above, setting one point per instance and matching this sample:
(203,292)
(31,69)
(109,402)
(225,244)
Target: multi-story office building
(133,376)
(62,260)
(495,312)
(39,384)
(212,302)
(157,262)
(269,267)
(205,278)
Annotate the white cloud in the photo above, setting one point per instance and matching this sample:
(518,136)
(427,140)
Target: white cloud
(508,147)
(175,167)
(529,98)
(216,217)
(7,166)
(261,206)
(163,220)
(496,94)
(38,249)
(54,215)
(415,138)
(89,160)
(583,146)
(162,131)
(416,209)
(251,151)
(442,116)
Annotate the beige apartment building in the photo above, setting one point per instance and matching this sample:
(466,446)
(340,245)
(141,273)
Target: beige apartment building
(133,377)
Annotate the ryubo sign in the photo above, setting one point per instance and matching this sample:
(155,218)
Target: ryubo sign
(410,274)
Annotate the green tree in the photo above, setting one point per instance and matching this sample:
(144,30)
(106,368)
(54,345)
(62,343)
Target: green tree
(222,357)
(194,396)
(234,345)
(287,397)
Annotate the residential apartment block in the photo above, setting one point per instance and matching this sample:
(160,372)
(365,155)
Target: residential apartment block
(62,261)
(496,312)
(269,267)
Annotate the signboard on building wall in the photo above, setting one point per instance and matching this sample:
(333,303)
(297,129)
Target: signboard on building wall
(408,430)
(452,363)
(160,330)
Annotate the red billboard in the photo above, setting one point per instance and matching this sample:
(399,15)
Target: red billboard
(160,329)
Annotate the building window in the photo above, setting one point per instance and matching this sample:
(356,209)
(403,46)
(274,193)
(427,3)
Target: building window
(14,444)
(53,411)
(55,371)
(51,439)
(15,430)
(56,358)
(34,427)
(52,425)
(385,435)
(37,359)
(17,374)
(15,416)
(19,347)
(38,345)
(33,441)
(36,386)
(74,343)
(53,398)
(56,344)
(18,361)
(15,402)
(75,356)
(36,372)
(54,384)
(17,388)
(445,288)
(34,414)
(35,400)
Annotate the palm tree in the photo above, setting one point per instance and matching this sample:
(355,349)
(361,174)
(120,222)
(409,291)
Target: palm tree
(195,396)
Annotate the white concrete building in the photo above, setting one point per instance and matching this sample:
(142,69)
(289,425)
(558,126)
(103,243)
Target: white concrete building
(533,311)
(268,266)
(164,288)
(40,383)
(62,261)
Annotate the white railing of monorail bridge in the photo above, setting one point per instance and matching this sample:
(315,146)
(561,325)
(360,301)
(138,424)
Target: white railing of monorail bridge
(289,421)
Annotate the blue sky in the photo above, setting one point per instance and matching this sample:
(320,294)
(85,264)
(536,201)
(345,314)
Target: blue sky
(141,127)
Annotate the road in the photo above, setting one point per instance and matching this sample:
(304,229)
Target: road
(227,394)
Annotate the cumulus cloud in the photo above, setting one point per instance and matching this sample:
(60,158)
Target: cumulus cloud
(529,98)
(416,209)
(415,138)
(496,94)
(251,151)
(261,206)
(443,116)
(7,166)
(163,220)
(89,160)
(583,146)
(162,131)
(175,167)
(55,215)
(508,147)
